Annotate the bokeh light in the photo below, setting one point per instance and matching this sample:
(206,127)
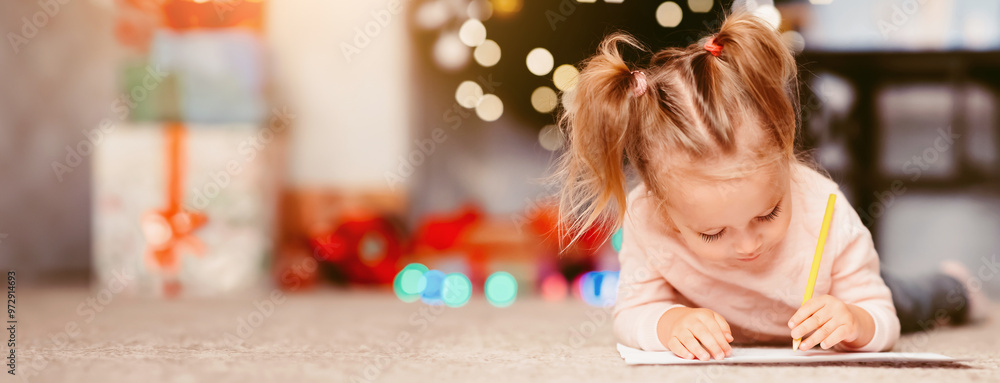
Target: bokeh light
(468,94)
(540,61)
(589,287)
(490,108)
(616,240)
(501,289)
(430,287)
(700,6)
(544,99)
(794,41)
(480,9)
(770,14)
(551,137)
(565,77)
(472,33)
(432,15)
(456,290)
(487,54)
(566,99)
(599,288)
(669,14)
(554,287)
(507,7)
(450,53)
(407,282)
(609,288)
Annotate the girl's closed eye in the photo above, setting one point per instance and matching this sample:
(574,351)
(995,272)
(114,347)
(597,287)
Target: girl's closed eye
(769,217)
(772,215)
(711,237)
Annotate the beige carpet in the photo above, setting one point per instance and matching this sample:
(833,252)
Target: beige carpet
(337,336)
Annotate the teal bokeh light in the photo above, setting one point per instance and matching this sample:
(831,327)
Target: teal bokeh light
(456,290)
(501,289)
(407,283)
(616,240)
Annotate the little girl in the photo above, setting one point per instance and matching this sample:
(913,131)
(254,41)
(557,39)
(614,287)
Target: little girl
(720,235)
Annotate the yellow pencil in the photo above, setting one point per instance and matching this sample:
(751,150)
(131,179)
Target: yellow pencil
(816,258)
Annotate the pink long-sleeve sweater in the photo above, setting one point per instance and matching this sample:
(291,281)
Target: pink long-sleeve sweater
(658,272)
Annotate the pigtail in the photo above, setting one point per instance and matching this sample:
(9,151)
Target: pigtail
(748,52)
(597,119)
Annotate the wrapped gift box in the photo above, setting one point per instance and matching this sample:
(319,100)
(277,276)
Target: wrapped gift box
(220,74)
(228,174)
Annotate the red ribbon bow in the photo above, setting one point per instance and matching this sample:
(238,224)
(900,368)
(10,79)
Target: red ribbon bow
(170,230)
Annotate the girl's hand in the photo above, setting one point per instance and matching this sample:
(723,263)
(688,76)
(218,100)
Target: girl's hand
(831,321)
(694,333)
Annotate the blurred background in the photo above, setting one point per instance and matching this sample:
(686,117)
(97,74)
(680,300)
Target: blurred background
(213,147)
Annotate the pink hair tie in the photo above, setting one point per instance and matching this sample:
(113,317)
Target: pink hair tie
(710,46)
(640,83)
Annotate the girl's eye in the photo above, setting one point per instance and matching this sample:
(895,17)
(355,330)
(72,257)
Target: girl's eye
(765,218)
(770,217)
(711,237)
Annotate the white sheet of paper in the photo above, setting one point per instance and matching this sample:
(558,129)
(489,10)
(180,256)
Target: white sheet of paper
(781,355)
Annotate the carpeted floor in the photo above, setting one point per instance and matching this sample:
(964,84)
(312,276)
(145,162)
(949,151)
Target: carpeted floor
(337,336)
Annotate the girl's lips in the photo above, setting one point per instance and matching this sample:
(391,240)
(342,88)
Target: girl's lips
(748,259)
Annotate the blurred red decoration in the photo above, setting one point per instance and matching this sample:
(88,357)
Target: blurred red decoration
(443,232)
(454,233)
(365,248)
(544,221)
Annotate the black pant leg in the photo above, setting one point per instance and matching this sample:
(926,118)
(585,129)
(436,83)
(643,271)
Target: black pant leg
(921,303)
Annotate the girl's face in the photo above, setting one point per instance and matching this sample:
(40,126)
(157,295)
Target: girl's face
(733,221)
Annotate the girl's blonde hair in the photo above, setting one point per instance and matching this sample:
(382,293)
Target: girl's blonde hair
(692,106)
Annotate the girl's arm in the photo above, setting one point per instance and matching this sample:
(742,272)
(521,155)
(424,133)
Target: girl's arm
(643,294)
(858,283)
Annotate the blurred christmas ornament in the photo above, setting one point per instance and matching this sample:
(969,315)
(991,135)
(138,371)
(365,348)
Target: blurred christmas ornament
(364,249)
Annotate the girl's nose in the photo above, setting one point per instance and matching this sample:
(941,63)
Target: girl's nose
(749,244)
